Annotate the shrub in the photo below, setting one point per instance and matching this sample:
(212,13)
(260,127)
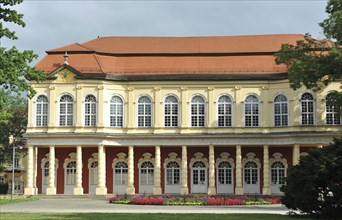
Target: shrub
(3,188)
(314,186)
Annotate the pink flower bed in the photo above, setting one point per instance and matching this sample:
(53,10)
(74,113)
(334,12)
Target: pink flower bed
(148,201)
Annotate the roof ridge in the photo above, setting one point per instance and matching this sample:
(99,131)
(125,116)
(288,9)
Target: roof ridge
(98,62)
(88,48)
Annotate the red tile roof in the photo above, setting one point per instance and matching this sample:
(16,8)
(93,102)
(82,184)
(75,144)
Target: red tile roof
(172,55)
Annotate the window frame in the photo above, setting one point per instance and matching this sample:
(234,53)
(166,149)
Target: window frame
(116,116)
(334,113)
(198,115)
(42,115)
(171,115)
(67,115)
(92,122)
(225,115)
(251,114)
(281,114)
(313,113)
(144,115)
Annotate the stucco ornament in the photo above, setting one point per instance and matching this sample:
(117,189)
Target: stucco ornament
(65,76)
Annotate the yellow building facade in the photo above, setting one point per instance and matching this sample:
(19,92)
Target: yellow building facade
(198,115)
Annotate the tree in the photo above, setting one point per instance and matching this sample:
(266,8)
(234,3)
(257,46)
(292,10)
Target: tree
(16,124)
(15,71)
(316,63)
(314,186)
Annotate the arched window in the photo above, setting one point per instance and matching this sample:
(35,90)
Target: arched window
(332,115)
(172,173)
(171,112)
(277,173)
(280,111)
(121,170)
(251,172)
(224,111)
(93,173)
(251,111)
(66,111)
(146,173)
(116,112)
(197,111)
(71,173)
(307,107)
(144,112)
(42,106)
(90,111)
(224,173)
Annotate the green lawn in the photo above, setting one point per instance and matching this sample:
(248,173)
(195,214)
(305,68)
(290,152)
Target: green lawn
(106,216)
(6,200)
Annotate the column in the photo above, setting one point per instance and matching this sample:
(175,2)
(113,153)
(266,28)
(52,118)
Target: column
(295,154)
(78,190)
(101,177)
(35,156)
(51,189)
(212,188)
(157,187)
(266,190)
(130,175)
(184,186)
(29,190)
(238,173)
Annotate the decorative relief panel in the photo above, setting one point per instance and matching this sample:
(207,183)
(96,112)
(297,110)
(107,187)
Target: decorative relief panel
(65,76)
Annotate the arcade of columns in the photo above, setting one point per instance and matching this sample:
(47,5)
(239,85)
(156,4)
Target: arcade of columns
(31,188)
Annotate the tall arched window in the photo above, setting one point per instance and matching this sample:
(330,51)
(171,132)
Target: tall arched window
(280,110)
(307,107)
(144,112)
(66,111)
(332,115)
(42,106)
(46,173)
(172,173)
(90,111)
(171,112)
(251,172)
(116,112)
(197,111)
(224,111)
(146,173)
(251,111)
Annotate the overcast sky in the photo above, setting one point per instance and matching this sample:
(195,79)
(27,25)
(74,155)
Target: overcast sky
(51,24)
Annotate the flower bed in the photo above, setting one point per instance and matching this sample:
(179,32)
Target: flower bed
(193,200)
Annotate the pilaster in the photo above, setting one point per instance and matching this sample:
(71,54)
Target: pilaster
(157,109)
(211,108)
(184,108)
(100,108)
(78,103)
(131,117)
(52,120)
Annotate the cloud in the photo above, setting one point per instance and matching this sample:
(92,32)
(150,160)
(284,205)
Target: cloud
(52,24)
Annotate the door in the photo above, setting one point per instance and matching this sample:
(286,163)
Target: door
(225,178)
(120,178)
(251,178)
(199,178)
(146,177)
(172,177)
(93,176)
(70,177)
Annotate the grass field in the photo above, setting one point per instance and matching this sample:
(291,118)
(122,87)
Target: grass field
(119,216)
(5,200)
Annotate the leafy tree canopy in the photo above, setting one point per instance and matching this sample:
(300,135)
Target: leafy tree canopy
(16,123)
(316,63)
(15,71)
